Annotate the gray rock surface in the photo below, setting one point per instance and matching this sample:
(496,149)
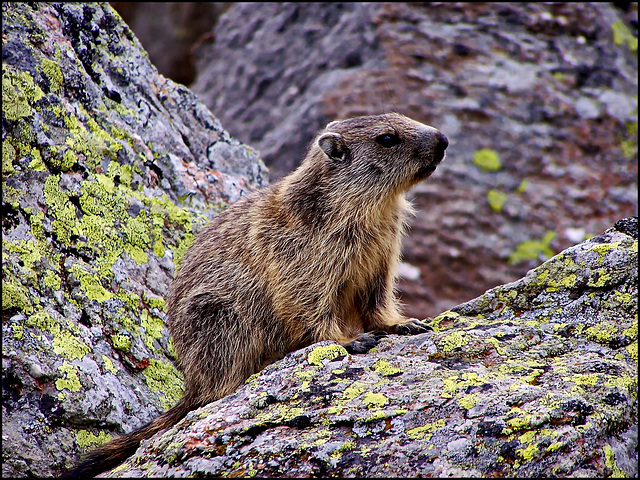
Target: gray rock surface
(109,171)
(539,101)
(536,378)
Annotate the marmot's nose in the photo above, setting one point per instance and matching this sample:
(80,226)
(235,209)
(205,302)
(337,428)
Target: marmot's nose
(441,145)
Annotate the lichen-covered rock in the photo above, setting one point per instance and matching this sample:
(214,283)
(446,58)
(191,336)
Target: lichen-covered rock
(537,378)
(109,170)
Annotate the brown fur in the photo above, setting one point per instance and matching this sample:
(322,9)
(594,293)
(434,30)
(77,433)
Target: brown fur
(310,258)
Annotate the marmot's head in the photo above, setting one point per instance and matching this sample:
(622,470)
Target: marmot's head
(389,150)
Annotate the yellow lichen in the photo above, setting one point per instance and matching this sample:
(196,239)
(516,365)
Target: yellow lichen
(488,160)
(628,384)
(375,400)
(121,342)
(602,279)
(603,332)
(346,446)
(165,379)
(383,367)
(453,340)
(71,381)
(153,326)
(468,401)
(610,462)
(65,344)
(352,391)
(533,249)
(108,364)
(325,352)
(87,440)
(529,452)
(623,36)
(424,432)
(496,199)
(555,446)
(632,350)
(496,343)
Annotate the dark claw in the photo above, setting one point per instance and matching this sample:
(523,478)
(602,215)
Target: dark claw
(412,327)
(365,342)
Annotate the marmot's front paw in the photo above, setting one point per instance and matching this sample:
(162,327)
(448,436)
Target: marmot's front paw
(412,327)
(365,342)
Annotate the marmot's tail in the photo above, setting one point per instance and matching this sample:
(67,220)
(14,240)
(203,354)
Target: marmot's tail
(115,452)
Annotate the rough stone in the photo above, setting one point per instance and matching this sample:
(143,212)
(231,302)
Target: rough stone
(536,378)
(109,171)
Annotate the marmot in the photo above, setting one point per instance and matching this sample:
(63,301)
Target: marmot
(311,257)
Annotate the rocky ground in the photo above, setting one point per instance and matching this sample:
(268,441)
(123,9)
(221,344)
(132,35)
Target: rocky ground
(537,378)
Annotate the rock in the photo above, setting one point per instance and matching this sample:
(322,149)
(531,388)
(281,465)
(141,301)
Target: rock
(109,171)
(536,378)
(549,89)
(169,31)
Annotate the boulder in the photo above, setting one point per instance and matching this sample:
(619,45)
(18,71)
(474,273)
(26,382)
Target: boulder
(536,378)
(109,171)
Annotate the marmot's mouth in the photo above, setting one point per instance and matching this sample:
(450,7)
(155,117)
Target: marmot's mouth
(427,170)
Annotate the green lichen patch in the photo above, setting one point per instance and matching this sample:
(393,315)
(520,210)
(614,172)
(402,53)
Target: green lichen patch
(70,381)
(444,319)
(609,455)
(454,383)
(345,447)
(533,249)
(68,346)
(88,440)
(487,159)
(8,156)
(375,400)
(623,36)
(53,73)
(153,326)
(468,401)
(19,93)
(90,283)
(629,142)
(424,432)
(121,342)
(386,368)
(453,340)
(326,352)
(164,378)
(528,453)
(15,295)
(523,186)
(108,365)
(496,199)
(65,337)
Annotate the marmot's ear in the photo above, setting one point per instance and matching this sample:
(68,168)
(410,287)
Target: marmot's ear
(334,146)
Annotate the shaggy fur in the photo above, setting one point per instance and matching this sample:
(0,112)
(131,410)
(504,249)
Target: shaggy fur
(311,257)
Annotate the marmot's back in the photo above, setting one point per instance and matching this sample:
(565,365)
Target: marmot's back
(312,257)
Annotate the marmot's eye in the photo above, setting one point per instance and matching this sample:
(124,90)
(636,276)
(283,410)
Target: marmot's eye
(388,140)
